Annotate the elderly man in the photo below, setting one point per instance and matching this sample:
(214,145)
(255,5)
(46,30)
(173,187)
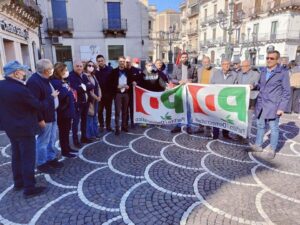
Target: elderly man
(223,76)
(236,65)
(81,84)
(19,119)
(272,100)
(182,74)
(40,86)
(248,77)
(204,77)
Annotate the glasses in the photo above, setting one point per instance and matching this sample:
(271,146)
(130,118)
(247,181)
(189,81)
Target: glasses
(90,65)
(270,58)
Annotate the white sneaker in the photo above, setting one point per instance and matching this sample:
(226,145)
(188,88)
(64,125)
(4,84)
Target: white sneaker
(255,148)
(269,153)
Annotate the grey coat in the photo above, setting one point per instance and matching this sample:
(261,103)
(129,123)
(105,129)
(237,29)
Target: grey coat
(251,77)
(177,74)
(218,77)
(199,73)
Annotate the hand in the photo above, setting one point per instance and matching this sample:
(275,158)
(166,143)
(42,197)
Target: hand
(182,82)
(251,87)
(99,99)
(82,85)
(126,86)
(133,83)
(280,113)
(42,124)
(55,93)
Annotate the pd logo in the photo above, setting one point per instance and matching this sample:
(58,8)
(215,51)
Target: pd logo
(221,100)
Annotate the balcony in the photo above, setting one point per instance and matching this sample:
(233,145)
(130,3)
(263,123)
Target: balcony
(114,27)
(292,36)
(212,19)
(192,31)
(25,11)
(287,5)
(60,27)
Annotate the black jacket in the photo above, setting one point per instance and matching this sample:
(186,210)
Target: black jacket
(114,79)
(19,109)
(41,89)
(75,83)
(103,77)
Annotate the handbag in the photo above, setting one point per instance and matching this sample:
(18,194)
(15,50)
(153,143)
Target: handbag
(91,111)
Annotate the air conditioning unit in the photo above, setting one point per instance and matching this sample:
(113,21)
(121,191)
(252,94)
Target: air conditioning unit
(56,40)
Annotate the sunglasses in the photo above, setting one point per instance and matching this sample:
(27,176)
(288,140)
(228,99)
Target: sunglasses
(270,58)
(90,65)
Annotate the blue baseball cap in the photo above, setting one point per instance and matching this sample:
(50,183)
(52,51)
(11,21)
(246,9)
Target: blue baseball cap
(12,67)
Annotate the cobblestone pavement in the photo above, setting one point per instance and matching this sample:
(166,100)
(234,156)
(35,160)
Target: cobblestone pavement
(150,176)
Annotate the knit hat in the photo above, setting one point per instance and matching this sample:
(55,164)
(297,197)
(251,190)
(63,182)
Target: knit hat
(12,67)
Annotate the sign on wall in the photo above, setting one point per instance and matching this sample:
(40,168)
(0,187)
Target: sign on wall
(8,27)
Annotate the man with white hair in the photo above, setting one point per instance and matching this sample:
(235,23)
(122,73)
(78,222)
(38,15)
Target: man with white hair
(41,88)
(223,76)
(81,84)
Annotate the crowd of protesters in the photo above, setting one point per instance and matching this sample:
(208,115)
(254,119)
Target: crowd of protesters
(53,99)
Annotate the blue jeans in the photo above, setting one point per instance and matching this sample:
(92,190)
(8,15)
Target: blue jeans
(274,126)
(189,116)
(45,144)
(92,124)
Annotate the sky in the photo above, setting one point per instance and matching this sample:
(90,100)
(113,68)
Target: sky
(165,4)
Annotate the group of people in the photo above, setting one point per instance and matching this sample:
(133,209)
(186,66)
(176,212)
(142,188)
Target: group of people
(53,99)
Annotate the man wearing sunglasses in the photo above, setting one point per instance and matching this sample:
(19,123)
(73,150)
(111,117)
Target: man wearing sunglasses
(272,100)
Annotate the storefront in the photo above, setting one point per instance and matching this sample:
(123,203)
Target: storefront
(19,38)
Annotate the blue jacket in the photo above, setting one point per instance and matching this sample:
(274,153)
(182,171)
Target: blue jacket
(75,83)
(103,77)
(40,87)
(19,109)
(274,93)
(66,108)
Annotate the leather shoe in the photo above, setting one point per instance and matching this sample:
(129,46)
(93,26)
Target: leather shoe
(55,164)
(45,168)
(34,191)
(176,130)
(86,140)
(125,129)
(109,129)
(69,155)
(189,130)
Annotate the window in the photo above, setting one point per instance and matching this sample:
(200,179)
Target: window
(149,25)
(204,37)
(215,10)
(114,51)
(59,14)
(114,15)
(255,31)
(214,34)
(274,30)
(205,14)
(238,35)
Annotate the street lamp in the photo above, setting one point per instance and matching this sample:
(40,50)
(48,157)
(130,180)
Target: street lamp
(228,23)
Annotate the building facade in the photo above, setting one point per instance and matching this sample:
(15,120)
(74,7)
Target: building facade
(165,36)
(73,30)
(19,35)
(271,24)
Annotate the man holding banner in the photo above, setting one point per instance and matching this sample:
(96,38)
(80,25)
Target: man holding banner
(223,76)
(184,73)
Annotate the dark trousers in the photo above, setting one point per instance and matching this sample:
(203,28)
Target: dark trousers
(64,127)
(121,105)
(105,103)
(216,132)
(80,115)
(130,108)
(23,161)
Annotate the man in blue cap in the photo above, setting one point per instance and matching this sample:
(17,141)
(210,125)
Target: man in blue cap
(18,118)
